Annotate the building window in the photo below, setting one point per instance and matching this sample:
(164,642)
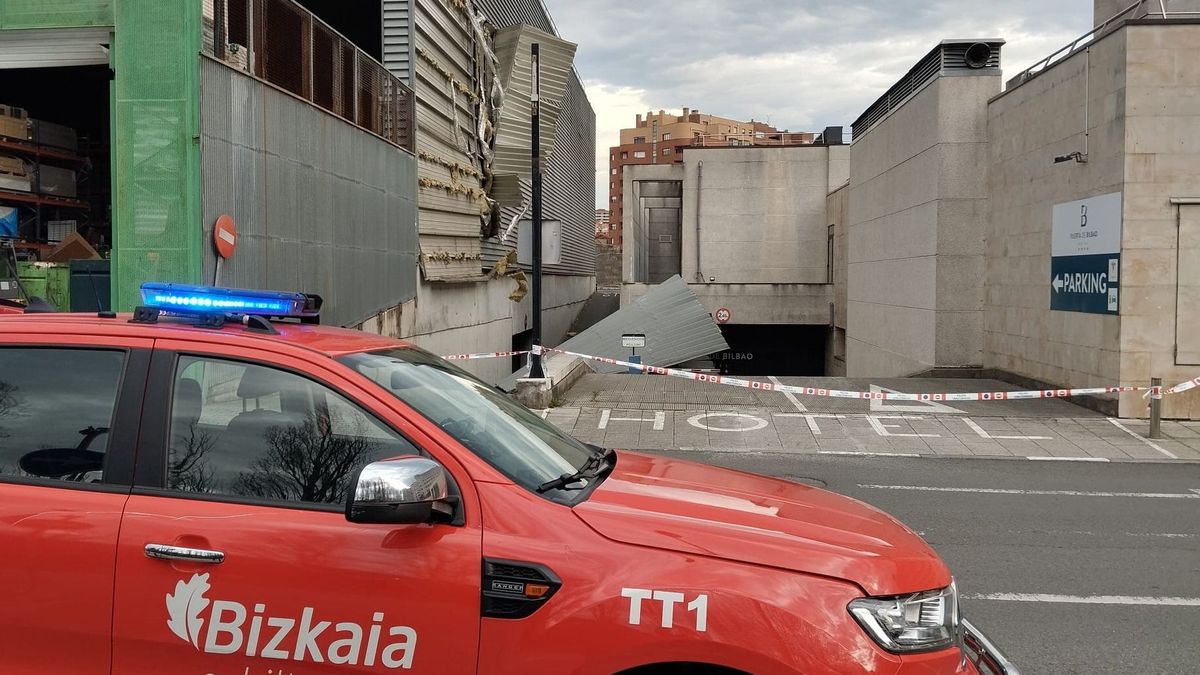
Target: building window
(624,155)
(666,151)
(614,172)
(639,139)
(612,158)
(612,198)
(666,137)
(639,154)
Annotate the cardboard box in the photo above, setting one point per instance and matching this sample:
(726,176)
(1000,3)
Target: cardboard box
(13,111)
(15,128)
(56,181)
(14,166)
(16,183)
(73,247)
(54,135)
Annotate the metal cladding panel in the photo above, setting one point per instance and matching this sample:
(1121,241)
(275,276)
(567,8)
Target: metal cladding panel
(54,47)
(569,193)
(56,14)
(504,13)
(677,327)
(320,205)
(513,130)
(399,49)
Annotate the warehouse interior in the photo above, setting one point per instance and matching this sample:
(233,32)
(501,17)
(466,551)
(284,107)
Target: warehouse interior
(55,180)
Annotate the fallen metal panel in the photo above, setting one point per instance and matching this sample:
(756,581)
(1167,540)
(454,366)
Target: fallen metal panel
(677,327)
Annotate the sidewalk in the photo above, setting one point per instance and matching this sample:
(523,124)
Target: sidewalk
(652,413)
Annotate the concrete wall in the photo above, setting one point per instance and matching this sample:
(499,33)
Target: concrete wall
(467,318)
(1162,161)
(757,304)
(837,211)
(918,199)
(1028,127)
(761,213)
(1145,89)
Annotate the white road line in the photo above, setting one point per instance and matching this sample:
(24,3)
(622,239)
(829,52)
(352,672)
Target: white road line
(1143,439)
(1052,493)
(1086,599)
(1069,459)
(867,454)
(789,395)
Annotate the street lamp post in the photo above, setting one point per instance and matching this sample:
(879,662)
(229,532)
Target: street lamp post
(535,361)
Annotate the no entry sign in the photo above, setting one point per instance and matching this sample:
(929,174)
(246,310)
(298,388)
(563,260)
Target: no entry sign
(225,236)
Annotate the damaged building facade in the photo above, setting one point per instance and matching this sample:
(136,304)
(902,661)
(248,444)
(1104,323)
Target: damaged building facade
(469,65)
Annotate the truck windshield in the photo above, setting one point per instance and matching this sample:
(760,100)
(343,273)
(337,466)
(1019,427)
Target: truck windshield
(522,445)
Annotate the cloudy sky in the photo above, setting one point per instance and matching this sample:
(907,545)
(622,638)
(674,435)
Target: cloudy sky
(800,65)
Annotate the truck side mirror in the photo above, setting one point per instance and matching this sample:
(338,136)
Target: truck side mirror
(401,491)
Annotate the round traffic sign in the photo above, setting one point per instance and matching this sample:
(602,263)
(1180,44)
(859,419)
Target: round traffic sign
(225,236)
(723,315)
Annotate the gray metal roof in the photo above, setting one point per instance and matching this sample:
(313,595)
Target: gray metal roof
(677,327)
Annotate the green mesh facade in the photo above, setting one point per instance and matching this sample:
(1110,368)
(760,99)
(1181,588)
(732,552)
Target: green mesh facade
(55,13)
(156,148)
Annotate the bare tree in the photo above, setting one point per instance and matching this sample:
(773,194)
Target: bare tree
(188,468)
(306,462)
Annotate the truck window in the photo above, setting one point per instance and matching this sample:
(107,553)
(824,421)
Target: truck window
(56,406)
(245,430)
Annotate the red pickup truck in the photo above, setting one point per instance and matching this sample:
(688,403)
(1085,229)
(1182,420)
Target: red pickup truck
(217,485)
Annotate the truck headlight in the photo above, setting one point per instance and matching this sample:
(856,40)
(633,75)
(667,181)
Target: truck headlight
(910,623)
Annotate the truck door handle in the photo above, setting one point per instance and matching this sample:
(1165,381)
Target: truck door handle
(200,555)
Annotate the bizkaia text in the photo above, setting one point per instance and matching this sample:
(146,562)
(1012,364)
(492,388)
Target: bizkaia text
(234,630)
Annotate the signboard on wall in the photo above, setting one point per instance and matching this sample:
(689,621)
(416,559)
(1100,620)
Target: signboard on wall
(1085,255)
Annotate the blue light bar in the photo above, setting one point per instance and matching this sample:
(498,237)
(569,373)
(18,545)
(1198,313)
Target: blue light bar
(183,299)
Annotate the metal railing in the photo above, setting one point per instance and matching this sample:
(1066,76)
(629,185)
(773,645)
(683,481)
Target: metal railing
(753,139)
(282,43)
(1138,10)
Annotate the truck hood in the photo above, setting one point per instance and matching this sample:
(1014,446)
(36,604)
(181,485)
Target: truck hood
(697,509)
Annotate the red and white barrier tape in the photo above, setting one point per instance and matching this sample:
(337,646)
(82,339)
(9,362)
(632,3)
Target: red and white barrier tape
(1153,392)
(881,396)
(1183,386)
(482,355)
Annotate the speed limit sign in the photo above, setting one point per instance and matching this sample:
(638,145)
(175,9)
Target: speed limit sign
(723,315)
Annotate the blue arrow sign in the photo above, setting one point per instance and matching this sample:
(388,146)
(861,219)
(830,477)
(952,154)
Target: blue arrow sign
(1086,283)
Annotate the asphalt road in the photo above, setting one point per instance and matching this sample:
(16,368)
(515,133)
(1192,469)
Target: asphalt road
(1100,577)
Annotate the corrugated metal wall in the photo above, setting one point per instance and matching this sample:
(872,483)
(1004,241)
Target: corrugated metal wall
(399,50)
(570,186)
(320,205)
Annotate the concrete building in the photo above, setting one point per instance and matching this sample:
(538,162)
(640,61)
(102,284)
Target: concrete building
(1049,233)
(746,228)
(1127,102)
(660,138)
(917,209)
